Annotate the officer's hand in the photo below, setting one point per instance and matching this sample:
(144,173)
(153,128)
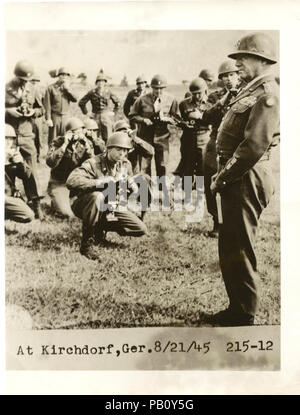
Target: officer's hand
(147,121)
(223,99)
(213,185)
(168,120)
(17,157)
(13,112)
(67,84)
(49,123)
(68,136)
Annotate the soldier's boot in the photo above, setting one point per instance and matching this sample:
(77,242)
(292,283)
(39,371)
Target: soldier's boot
(87,247)
(99,234)
(215,232)
(36,207)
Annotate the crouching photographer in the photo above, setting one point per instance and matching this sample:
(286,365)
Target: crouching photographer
(65,154)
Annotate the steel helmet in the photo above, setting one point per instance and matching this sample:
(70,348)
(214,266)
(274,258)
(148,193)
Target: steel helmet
(119,139)
(198,85)
(10,131)
(257,44)
(226,67)
(74,123)
(120,125)
(64,71)
(24,70)
(101,77)
(53,73)
(159,81)
(140,79)
(206,74)
(90,124)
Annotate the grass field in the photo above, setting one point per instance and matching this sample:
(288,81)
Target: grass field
(169,277)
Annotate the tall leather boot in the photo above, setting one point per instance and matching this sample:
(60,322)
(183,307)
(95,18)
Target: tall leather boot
(215,232)
(36,207)
(87,247)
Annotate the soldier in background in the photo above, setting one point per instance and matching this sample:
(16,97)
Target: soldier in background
(133,95)
(228,75)
(22,106)
(64,155)
(58,97)
(38,123)
(91,132)
(86,184)
(195,132)
(100,98)
(16,209)
(153,112)
(246,137)
(208,76)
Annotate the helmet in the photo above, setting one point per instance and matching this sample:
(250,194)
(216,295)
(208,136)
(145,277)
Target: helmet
(119,139)
(258,44)
(36,77)
(206,74)
(73,124)
(53,73)
(64,71)
(198,85)
(159,81)
(140,79)
(90,124)
(10,131)
(101,77)
(24,70)
(226,67)
(119,125)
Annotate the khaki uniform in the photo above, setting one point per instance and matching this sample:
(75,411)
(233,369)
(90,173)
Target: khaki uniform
(246,137)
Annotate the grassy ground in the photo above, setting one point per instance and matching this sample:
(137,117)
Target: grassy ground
(169,277)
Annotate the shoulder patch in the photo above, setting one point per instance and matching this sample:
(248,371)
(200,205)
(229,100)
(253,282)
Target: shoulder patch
(249,101)
(267,87)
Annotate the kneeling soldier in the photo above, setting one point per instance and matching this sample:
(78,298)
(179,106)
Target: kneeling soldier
(87,183)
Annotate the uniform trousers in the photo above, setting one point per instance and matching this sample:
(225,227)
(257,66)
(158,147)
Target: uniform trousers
(17,210)
(105,124)
(210,168)
(60,200)
(90,208)
(242,204)
(59,126)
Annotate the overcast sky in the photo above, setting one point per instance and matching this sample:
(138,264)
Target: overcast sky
(178,55)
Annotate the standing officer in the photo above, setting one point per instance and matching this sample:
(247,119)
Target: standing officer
(228,75)
(153,112)
(57,104)
(132,96)
(64,155)
(244,143)
(22,106)
(100,98)
(208,76)
(87,184)
(38,121)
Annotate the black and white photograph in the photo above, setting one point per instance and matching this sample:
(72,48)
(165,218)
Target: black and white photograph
(142,199)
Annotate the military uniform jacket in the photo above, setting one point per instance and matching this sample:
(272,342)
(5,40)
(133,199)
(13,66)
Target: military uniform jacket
(249,129)
(63,160)
(144,107)
(132,96)
(186,107)
(87,177)
(100,102)
(57,100)
(14,97)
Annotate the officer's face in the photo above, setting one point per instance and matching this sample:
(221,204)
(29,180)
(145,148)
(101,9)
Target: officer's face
(63,77)
(77,132)
(91,133)
(117,153)
(157,92)
(230,80)
(101,84)
(209,82)
(249,67)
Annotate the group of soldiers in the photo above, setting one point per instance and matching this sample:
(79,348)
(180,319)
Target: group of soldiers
(227,137)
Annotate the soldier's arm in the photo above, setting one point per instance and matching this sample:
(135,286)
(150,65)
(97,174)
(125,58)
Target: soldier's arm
(56,152)
(127,104)
(38,106)
(174,111)
(70,95)
(260,132)
(47,104)
(142,147)
(84,178)
(115,101)
(134,114)
(82,103)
